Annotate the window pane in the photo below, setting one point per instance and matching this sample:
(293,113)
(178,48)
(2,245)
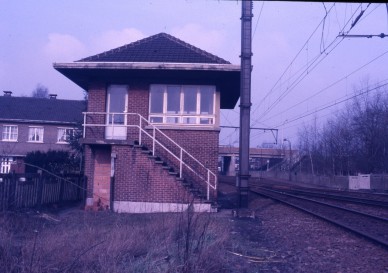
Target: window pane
(206,121)
(173,99)
(190,120)
(156,119)
(64,134)
(190,100)
(172,120)
(156,99)
(10,132)
(35,134)
(117,95)
(207,100)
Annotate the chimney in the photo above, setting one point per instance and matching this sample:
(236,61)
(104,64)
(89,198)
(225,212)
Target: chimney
(7,93)
(53,96)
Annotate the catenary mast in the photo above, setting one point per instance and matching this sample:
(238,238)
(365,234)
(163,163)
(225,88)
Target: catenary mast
(245,101)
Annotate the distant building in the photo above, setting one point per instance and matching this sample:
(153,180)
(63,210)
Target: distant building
(152,129)
(34,124)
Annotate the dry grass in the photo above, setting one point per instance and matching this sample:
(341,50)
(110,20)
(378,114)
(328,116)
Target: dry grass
(79,241)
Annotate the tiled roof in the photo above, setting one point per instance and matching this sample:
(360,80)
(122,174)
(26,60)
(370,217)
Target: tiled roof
(38,109)
(161,47)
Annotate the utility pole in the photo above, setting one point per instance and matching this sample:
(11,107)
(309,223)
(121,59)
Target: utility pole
(289,157)
(245,101)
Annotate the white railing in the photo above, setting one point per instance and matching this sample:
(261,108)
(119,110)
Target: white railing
(209,176)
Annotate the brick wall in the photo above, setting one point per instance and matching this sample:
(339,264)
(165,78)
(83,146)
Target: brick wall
(89,170)
(202,145)
(139,179)
(101,177)
(96,103)
(136,176)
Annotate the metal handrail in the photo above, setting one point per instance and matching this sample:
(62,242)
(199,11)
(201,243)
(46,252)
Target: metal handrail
(154,142)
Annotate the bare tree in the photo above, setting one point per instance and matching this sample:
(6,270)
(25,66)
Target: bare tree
(353,141)
(40,91)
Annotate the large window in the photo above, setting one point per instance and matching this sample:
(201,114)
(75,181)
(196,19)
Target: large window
(182,104)
(64,135)
(10,133)
(35,134)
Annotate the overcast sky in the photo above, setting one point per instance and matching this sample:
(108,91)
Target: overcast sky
(299,63)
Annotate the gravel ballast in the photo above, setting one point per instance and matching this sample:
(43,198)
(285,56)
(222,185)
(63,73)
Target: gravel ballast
(282,239)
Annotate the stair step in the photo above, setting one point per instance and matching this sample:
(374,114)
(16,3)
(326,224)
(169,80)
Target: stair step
(146,152)
(166,167)
(173,173)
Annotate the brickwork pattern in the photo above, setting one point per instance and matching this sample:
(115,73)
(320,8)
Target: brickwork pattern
(139,179)
(96,103)
(101,187)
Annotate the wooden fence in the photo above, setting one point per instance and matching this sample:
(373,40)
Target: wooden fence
(35,190)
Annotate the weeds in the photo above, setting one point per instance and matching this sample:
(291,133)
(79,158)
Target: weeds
(80,241)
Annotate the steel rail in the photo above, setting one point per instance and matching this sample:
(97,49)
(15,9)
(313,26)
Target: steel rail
(364,201)
(366,235)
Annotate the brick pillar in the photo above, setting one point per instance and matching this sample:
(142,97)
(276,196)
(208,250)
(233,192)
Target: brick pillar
(101,181)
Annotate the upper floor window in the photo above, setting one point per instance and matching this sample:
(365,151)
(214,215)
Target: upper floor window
(64,135)
(182,104)
(35,134)
(10,133)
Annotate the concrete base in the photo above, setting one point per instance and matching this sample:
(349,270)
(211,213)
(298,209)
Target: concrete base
(244,213)
(149,207)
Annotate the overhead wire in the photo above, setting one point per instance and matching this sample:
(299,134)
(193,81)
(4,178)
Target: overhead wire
(329,86)
(258,19)
(291,63)
(333,104)
(302,75)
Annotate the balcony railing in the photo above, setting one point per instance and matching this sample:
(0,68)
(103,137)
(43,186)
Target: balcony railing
(146,133)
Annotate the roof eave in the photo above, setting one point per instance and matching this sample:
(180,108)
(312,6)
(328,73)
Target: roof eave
(148,66)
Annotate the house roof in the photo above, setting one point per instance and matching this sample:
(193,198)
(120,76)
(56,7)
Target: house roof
(161,47)
(160,58)
(41,110)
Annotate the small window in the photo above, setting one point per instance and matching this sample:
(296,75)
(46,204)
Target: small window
(10,133)
(65,134)
(5,166)
(35,134)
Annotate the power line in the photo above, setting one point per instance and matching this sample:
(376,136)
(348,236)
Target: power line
(293,60)
(305,72)
(333,104)
(330,85)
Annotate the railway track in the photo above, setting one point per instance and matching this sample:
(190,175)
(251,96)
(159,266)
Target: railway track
(371,227)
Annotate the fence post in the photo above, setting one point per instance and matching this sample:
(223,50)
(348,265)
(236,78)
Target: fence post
(12,191)
(61,190)
(40,189)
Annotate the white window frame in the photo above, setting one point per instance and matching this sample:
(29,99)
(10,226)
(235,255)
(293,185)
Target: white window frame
(60,137)
(5,164)
(9,134)
(182,117)
(35,134)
